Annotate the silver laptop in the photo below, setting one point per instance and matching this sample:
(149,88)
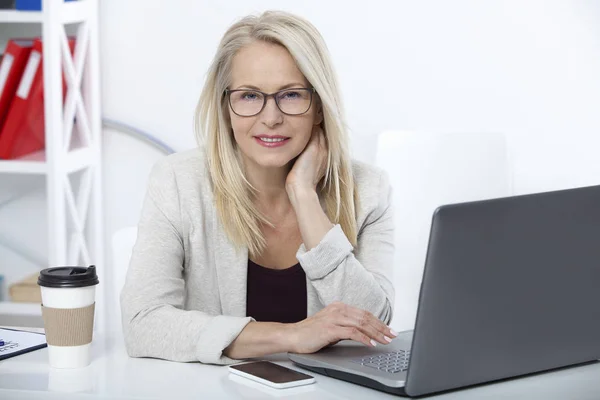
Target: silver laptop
(511,286)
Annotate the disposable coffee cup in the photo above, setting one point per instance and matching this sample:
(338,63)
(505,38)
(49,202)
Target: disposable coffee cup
(68,304)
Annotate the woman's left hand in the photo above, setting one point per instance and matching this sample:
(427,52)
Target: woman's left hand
(311,165)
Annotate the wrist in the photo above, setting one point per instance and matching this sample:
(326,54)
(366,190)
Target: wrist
(286,337)
(298,193)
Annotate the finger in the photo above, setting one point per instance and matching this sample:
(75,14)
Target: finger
(335,308)
(354,334)
(364,317)
(365,327)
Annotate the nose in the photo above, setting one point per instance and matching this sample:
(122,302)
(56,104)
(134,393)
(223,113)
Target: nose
(271,115)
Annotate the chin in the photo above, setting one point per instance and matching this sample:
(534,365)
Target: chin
(274,162)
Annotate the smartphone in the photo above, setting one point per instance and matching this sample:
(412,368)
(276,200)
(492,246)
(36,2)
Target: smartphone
(271,374)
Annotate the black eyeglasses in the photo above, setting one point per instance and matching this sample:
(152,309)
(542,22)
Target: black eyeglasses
(249,102)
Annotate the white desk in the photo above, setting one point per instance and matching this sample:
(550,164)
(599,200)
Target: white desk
(113,375)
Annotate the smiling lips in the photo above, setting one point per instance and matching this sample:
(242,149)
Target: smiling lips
(271,141)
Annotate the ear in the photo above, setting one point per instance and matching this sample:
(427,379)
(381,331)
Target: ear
(319,117)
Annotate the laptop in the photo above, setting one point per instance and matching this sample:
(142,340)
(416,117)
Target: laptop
(511,286)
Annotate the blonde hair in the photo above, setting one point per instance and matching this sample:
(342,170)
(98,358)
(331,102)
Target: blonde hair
(232,192)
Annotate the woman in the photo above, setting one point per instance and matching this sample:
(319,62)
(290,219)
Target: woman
(214,275)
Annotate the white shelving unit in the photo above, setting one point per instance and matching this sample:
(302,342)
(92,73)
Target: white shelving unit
(75,226)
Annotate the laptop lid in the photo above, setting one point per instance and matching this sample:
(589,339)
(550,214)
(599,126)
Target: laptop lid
(511,286)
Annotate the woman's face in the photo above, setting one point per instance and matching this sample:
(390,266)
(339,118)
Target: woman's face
(269,68)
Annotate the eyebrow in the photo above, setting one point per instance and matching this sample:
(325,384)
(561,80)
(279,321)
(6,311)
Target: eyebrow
(289,85)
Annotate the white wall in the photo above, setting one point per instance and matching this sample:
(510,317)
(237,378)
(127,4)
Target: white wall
(525,68)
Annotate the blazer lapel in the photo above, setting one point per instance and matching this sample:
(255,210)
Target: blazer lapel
(232,274)
(313,303)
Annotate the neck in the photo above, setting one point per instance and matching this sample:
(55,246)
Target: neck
(270,184)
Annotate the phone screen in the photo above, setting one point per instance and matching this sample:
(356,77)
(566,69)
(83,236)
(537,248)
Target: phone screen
(271,372)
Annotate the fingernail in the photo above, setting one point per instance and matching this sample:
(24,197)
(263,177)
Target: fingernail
(373,343)
(387,339)
(393,332)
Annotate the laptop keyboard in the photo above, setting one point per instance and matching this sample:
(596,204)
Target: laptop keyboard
(394,362)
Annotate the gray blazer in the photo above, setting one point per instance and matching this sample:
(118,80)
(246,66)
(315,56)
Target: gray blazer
(184,298)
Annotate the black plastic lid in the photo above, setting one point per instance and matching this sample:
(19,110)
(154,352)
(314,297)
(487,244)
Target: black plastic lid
(68,277)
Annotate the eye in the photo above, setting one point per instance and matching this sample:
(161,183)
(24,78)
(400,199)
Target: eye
(291,95)
(250,96)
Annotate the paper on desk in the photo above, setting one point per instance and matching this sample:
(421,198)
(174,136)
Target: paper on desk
(19,342)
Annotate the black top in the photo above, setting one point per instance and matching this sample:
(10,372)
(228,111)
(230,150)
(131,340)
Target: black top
(276,295)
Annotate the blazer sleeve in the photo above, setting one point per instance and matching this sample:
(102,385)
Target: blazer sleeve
(361,276)
(155,323)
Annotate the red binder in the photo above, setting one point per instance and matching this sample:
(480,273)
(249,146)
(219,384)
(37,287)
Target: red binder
(13,63)
(23,130)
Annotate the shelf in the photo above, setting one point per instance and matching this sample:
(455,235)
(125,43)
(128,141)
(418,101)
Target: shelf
(74,11)
(14,308)
(35,163)
(66,153)
(21,16)
(21,314)
(31,164)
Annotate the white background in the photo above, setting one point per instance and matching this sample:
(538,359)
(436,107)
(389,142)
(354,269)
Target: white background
(529,69)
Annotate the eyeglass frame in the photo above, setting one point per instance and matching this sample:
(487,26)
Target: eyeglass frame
(265,98)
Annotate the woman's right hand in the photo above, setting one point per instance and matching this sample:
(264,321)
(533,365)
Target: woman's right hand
(338,321)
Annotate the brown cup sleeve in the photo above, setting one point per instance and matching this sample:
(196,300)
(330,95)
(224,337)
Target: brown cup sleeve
(68,326)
